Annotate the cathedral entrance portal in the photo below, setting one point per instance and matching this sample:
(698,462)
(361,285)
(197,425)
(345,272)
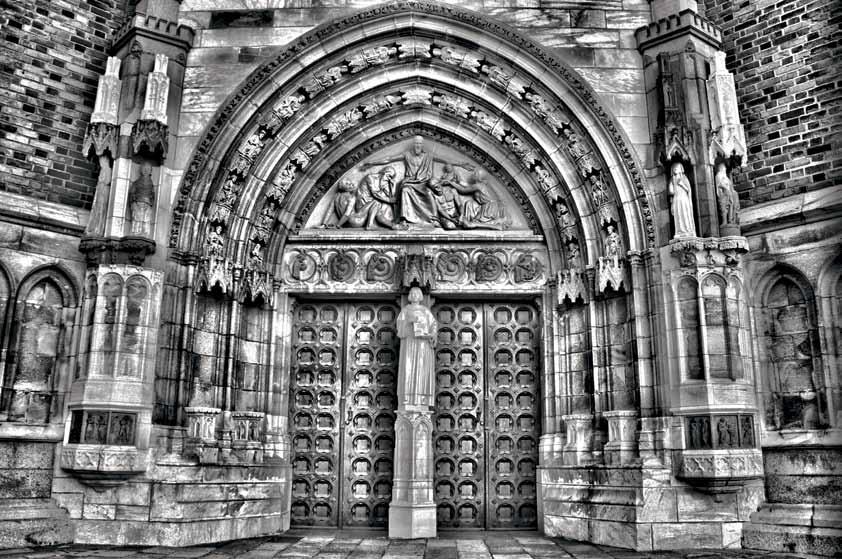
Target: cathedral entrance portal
(342,402)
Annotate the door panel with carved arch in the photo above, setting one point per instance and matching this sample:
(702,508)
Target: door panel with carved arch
(342,402)
(486,428)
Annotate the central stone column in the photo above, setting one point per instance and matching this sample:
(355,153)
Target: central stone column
(412,513)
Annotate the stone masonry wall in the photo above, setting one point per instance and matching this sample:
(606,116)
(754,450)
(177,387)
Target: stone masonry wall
(785,58)
(51,55)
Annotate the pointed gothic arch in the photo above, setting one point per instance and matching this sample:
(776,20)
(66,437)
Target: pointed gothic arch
(451,70)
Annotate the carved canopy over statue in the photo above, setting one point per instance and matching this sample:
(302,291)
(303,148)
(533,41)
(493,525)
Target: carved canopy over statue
(459,196)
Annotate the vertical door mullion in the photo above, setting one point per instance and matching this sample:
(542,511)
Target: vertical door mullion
(344,384)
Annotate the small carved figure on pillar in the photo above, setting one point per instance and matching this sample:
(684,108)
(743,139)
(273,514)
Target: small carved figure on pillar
(417,329)
(729,201)
(141,201)
(682,202)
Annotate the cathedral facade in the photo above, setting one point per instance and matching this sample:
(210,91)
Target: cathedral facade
(622,217)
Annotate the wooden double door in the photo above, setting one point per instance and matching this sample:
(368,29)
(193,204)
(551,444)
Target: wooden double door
(343,397)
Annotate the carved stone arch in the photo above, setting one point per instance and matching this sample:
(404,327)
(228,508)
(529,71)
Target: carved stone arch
(793,386)
(829,293)
(534,63)
(39,344)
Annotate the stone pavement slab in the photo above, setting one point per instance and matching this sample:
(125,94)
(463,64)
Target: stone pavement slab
(342,545)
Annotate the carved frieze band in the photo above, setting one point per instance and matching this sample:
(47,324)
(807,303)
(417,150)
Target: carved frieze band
(332,268)
(410,49)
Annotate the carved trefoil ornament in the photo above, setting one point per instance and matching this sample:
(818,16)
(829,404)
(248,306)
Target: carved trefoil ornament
(107,104)
(727,134)
(157,91)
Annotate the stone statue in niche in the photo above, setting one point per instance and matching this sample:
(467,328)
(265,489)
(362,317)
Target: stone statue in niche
(682,202)
(728,201)
(141,201)
(37,351)
(417,329)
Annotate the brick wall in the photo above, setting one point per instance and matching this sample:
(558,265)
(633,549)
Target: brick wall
(51,54)
(785,56)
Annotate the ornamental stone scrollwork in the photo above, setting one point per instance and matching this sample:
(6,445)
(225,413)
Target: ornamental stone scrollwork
(436,266)
(719,471)
(451,266)
(380,268)
(527,268)
(706,252)
(341,267)
(488,268)
(102,466)
(302,267)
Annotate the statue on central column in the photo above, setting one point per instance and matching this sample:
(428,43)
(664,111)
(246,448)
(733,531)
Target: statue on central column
(412,512)
(417,330)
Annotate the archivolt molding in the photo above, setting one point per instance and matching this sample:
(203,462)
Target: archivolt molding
(515,84)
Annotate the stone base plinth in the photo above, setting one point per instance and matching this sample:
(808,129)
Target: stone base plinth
(796,528)
(642,508)
(25,522)
(412,521)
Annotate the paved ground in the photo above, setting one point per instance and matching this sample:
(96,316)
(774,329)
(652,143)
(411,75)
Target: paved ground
(344,545)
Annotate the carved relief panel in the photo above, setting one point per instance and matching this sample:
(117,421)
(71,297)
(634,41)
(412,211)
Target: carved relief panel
(417,183)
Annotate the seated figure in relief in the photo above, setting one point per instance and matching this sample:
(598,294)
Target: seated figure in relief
(481,210)
(365,205)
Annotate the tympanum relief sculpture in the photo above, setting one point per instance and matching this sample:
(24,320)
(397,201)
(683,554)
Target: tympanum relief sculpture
(417,187)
